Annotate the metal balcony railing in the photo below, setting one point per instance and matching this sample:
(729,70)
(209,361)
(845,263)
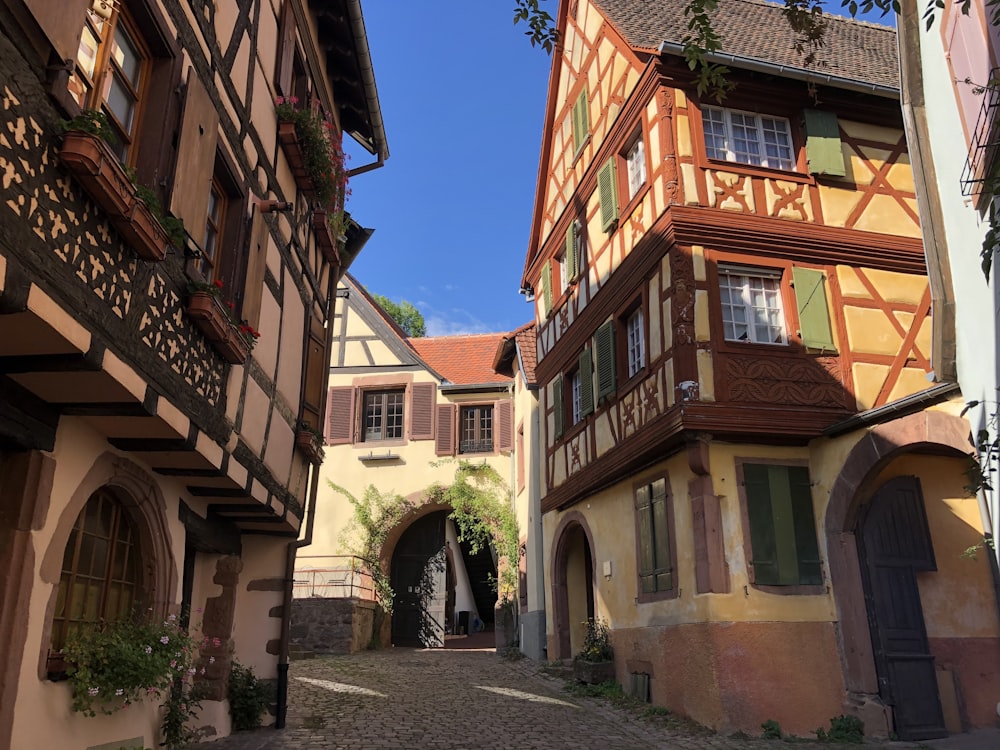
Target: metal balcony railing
(333,577)
(984,150)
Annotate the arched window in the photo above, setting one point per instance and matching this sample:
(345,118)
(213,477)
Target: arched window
(101,574)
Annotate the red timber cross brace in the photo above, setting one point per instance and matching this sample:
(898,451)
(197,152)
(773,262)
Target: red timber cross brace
(711,570)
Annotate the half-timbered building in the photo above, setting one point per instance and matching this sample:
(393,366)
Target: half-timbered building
(159,384)
(747,468)
(402,414)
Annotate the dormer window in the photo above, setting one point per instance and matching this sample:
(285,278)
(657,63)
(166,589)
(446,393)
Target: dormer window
(748,138)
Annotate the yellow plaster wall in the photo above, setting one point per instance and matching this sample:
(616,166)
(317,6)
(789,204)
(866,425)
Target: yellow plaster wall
(952,596)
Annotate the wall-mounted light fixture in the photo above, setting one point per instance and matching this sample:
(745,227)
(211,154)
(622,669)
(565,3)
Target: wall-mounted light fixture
(273,206)
(104,8)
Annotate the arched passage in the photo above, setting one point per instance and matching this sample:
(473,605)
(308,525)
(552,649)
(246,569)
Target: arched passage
(572,583)
(862,478)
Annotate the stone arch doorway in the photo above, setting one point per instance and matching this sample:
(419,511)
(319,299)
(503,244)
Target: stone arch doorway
(572,583)
(876,542)
(442,587)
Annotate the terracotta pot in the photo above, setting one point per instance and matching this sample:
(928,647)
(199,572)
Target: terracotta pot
(97,169)
(324,236)
(143,233)
(293,153)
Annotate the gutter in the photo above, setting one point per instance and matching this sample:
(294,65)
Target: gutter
(468,387)
(379,144)
(906,405)
(787,71)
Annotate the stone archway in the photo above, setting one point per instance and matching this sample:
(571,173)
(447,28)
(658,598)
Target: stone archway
(572,583)
(928,432)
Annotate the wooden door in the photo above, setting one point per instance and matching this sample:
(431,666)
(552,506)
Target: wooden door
(419,580)
(894,543)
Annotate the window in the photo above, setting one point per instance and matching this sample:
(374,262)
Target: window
(476,429)
(654,522)
(572,259)
(748,138)
(208,264)
(100,577)
(574,396)
(384,415)
(110,75)
(782,528)
(635,162)
(635,354)
(751,305)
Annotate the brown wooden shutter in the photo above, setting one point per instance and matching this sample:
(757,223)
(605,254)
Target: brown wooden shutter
(256,263)
(505,437)
(557,405)
(339,415)
(444,444)
(286,50)
(195,159)
(316,368)
(422,411)
(62,23)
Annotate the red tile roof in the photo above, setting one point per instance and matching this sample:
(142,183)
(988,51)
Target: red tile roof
(527,346)
(462,360)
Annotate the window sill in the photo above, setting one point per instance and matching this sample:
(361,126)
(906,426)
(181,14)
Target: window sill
(629,207)
(795,589)
(387,456)
(657,596)
(754,171)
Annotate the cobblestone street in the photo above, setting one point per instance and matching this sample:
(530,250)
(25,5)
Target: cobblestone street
(410,699)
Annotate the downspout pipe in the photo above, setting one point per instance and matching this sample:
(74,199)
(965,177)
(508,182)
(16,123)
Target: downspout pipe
(786,71)
(293,547)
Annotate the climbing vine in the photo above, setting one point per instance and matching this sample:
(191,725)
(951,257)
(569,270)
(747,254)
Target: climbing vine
(481,509)
(480,504)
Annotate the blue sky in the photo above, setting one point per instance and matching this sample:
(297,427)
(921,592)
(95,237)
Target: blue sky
(463,101)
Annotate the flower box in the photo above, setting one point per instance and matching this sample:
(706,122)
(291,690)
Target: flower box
(143,232)
(325,238)
(593,672)
(235,348)
(98,171)
(311,445)
(209,315)
(293,152)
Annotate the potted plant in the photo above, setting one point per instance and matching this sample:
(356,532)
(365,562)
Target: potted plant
(596,661)
(310,441)
(318,161)
(231,338)
(328,233)
(87,153)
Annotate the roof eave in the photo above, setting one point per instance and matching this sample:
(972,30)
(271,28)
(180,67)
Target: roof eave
(787,71)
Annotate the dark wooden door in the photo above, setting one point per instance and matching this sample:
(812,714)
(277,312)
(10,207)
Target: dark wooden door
(894,543)
(419,581)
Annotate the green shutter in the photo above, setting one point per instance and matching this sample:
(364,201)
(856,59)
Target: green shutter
(783,518)
(661,535)
(605,345)
(647,560)
(581,120)
(569,252)
(823,150)
(814,313)
(586,373)
(764,554)
(557,405)
(804,520)
(607,191)
(546,282)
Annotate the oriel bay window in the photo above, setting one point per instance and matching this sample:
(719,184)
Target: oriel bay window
(383,415)
(751,304)
(779,525)
(748,138)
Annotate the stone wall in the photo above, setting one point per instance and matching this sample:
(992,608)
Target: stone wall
(332,626)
